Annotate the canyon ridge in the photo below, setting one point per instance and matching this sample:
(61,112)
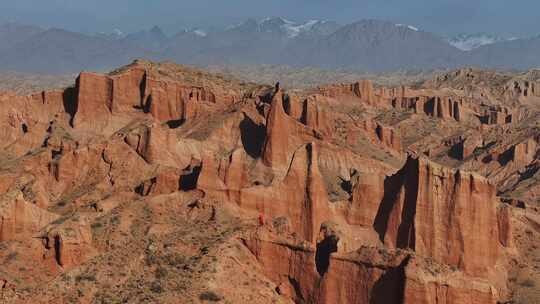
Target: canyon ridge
(161,183)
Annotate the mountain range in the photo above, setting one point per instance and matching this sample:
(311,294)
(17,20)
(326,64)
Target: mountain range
(468,42)
(367,45)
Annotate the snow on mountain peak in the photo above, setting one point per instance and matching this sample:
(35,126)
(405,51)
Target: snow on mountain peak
(468,42)
(290,28)
(408,26)
(294,30)
(200,33)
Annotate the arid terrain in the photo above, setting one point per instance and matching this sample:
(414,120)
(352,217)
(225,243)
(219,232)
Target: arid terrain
(24,83)
(161,183)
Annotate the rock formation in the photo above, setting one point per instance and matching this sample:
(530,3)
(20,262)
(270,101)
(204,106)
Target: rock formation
(423,193)
(158,182)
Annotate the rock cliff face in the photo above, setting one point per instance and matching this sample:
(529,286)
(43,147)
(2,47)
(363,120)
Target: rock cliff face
(20,219)
(157,182)
(430,209)
(306,208)
(172,101)
(368,275)
(362,90)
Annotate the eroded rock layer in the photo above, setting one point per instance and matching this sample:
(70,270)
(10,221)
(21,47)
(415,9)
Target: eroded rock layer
(164,184)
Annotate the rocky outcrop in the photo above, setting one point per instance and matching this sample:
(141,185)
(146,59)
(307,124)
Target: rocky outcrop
(139,88)
(94,100)
(382,135)
(466,146)
(316,118)
(367,194)
(496,115)
(67,242)
(462,206)
(25,119)
(362,90)
(284,134)
(294,107)
(368,275)
(389,137)
(521,89)
(153,169)
(277,140)
(20,219)
(443,107)
(525,152)
(301,196)
(164,183)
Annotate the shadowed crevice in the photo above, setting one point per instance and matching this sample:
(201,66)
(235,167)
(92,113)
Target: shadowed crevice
(58,249)
(322,256)
(405,237)
(188,181)
(70,102)
(253,137)
(390,288)
(391,190)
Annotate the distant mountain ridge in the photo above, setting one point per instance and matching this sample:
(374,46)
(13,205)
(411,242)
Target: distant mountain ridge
(468,42)
(367,45)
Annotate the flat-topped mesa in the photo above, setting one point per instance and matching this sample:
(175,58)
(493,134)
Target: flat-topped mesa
(362,90)
(27,118)
(316,118)
(137,88)
(448,215)
(497,115)
(293,106)
(443,107)
(94,100)
(521,154)
(382,134)
(521,89)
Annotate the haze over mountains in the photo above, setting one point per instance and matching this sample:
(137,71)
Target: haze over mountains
(367,45)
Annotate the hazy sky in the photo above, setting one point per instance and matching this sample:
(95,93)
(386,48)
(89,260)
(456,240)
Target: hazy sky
(505,17)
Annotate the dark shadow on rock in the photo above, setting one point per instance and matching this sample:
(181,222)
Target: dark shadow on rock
(456,151)
(142,90)
(173,124)
(506,157)
(252,136)
(190,177)
(429,107)
(71,103)
(322,256)
(390,288)
(406,237)
(529,172)
(391,190)
(146,107)
(406,231)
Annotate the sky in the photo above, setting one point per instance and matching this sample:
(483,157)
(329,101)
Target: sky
(511,18)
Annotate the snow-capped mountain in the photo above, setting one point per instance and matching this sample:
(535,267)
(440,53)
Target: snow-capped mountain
(367,45)
(414,28)
(288,28)
(468,42)
(116,34)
